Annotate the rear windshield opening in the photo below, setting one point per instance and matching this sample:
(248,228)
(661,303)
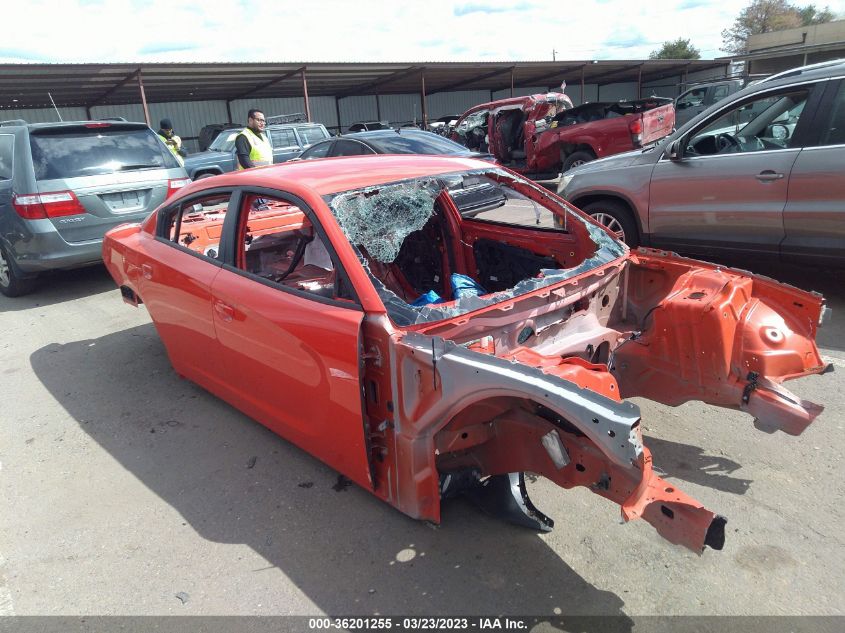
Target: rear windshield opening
(91,152)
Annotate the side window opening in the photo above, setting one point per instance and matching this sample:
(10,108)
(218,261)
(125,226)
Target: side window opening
(198,224)
(279,243)
(283,138)
(766,123)
(321,150)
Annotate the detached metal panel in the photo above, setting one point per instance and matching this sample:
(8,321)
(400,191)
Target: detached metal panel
(356,109)
(44,115)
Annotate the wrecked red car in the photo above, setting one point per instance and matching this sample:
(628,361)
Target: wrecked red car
(543,135)
(422,326)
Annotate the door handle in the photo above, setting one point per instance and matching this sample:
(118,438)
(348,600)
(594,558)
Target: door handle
(768,176)
(224,311)
(147,270)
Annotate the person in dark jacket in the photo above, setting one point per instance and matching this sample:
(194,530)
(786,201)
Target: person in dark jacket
(173,142)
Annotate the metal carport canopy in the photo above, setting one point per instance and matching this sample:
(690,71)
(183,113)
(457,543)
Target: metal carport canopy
(27,85)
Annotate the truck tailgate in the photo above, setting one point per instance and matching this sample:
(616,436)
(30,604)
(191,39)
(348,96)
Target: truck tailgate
(658,123)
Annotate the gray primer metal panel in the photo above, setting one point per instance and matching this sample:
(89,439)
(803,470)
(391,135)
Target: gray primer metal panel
(464,376)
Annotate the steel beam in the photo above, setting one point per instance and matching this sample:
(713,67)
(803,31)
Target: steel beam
(401,74)
(267,84)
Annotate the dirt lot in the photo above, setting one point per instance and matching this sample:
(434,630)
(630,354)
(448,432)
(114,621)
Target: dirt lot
(126,490)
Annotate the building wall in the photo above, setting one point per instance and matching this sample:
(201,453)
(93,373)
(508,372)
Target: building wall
(43,115)
(779,64)
(356,110)
(458,102)
(400,108)
(524,92)
(829,33)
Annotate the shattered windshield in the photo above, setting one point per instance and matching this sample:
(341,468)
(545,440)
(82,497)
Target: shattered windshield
(423,272)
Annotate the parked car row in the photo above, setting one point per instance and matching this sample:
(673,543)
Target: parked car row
(760,173)
(288,141)
(542,135)
(411,321)
(63,185)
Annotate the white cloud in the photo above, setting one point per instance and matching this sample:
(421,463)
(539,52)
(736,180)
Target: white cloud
(343,31)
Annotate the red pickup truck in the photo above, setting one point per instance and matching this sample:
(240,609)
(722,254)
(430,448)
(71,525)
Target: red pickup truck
(542,135)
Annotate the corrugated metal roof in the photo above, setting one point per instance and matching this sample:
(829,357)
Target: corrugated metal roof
(27,85)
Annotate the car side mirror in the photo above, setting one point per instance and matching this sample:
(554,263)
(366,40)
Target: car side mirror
(673,150)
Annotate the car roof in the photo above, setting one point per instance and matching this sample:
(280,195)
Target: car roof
(331,175)
(365,134)
(128,125)
(299,124)
(811,71)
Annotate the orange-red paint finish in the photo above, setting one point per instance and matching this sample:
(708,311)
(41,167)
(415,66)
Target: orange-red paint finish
(707,331)
(340,380)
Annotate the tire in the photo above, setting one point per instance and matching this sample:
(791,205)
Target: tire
(617,217)
(205,175)
(12,282)
(575,159)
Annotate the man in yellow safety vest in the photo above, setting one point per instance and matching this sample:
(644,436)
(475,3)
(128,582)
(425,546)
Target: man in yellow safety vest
(173,142)
(252,146)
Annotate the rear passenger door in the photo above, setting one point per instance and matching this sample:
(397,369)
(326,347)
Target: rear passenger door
(814,217)
(175,271)
(288,325)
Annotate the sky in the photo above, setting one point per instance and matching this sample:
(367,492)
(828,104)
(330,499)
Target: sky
(359,31)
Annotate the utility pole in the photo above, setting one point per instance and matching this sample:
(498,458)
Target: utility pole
(553,54)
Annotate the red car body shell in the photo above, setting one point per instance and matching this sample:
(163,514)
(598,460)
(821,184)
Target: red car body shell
(305,368)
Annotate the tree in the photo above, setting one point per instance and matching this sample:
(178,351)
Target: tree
(678,49)
(765,16)
(810,15)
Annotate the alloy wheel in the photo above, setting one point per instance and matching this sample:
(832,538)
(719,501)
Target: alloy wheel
(610,223)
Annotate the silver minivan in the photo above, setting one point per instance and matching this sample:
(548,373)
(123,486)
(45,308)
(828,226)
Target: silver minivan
(762,172)
(63,185)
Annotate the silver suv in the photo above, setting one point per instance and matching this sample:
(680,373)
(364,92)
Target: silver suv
(63,185)
(761,172)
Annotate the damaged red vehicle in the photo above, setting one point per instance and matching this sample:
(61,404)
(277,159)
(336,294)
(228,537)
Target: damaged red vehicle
(387,315)
(542,135)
